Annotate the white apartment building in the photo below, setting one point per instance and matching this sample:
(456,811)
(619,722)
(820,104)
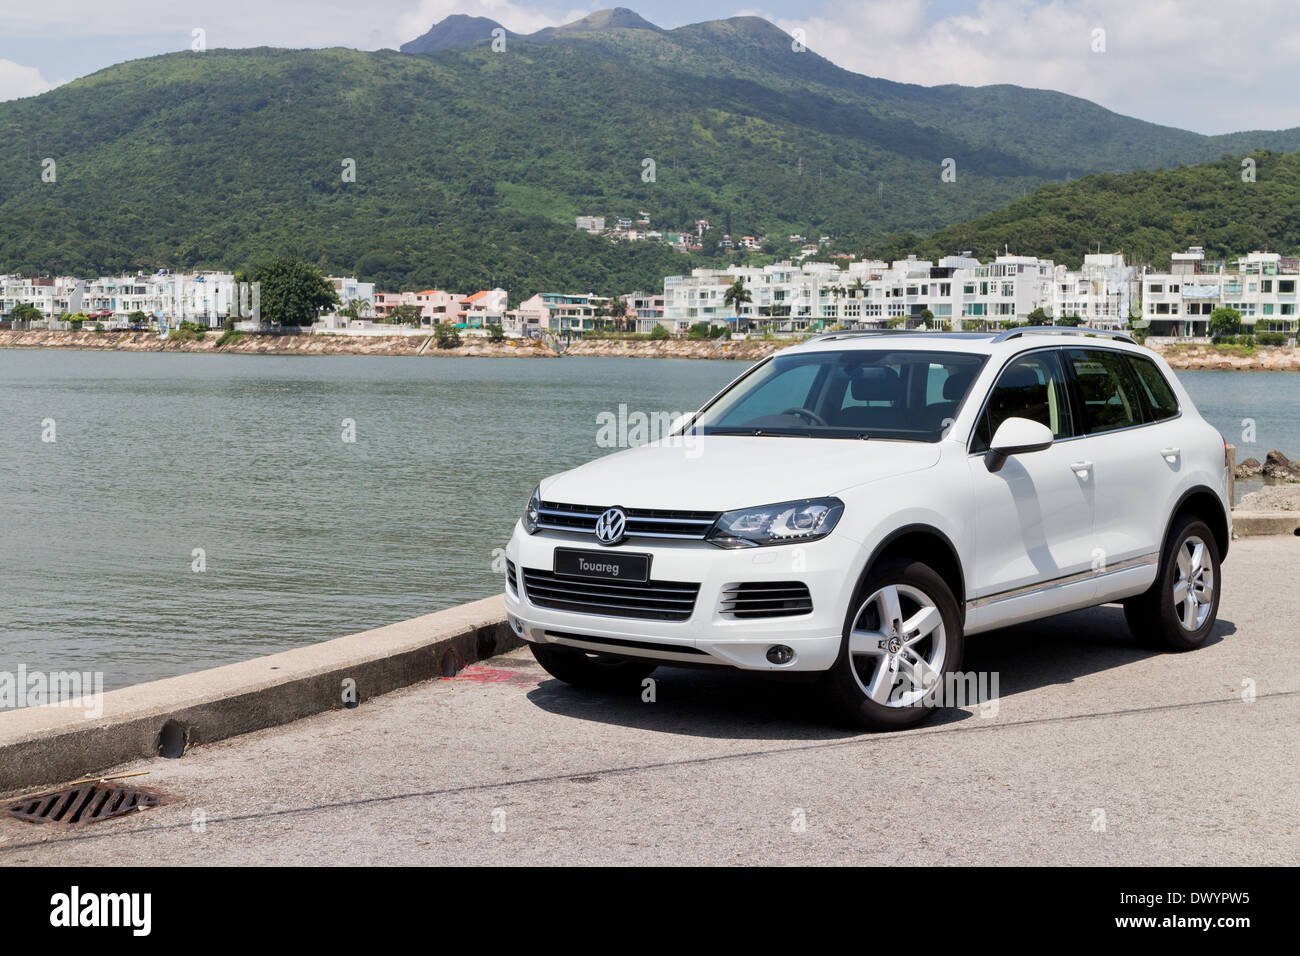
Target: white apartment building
(1104,294)
(204,297)
(1263,288)
(794,298)
(349,290)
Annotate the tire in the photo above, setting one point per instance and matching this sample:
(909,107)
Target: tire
(863,672)
(1159,617)
(591,671)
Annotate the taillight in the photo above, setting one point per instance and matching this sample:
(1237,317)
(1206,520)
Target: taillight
(1225,453)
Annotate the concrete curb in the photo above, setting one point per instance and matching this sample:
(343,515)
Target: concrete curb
(1249,523)
(46,745)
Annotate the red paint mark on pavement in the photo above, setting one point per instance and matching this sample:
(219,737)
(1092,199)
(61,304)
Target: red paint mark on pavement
(493,675)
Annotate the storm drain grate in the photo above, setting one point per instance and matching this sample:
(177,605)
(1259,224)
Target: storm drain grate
(87,803)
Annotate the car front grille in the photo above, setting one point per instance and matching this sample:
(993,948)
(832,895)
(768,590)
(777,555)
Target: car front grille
(653,600)
(641,522)
(512,578)
(766,599)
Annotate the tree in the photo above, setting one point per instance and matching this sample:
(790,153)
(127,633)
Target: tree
(1225,320)
(736,296)
(927,319)
(404,315)
(137,318)
(25,312)
(495,333)
(618,312)
(357,309)
(658,332)
(445,335)
(76,320)
(1038,317)
(293,293)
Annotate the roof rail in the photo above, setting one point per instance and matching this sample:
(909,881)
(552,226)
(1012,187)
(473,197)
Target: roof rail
(1063,330)
(848,333)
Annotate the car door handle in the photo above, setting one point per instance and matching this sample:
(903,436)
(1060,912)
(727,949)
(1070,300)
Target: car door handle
(1169,454)
(1081,468)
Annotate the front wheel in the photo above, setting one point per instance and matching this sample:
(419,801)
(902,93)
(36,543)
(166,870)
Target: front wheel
(1178,611)
(902,639)
(592,671)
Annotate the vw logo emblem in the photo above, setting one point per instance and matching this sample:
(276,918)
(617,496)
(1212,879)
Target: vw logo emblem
(611,525)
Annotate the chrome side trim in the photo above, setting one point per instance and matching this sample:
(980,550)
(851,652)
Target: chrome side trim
(1138,562)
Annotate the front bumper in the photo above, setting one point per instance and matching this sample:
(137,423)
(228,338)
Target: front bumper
(828,567)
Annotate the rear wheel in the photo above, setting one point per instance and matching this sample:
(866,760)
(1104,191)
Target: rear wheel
(593,671)
(1178,611)
(903,637)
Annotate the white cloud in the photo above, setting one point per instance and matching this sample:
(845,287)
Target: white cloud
(17,81)
(515,17)
(1205,65)
(287,23)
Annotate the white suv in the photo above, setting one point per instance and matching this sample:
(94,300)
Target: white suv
(859,503)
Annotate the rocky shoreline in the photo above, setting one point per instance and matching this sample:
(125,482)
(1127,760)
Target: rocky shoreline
(1179,356)
(326,344)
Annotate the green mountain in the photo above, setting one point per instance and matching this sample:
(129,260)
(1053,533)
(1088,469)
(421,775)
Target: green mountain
(1146,214)
(471,164)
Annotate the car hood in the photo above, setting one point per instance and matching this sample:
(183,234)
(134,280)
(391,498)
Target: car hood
(722,472)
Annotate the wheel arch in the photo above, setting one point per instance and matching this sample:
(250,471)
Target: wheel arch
(924,543)
(1205,504)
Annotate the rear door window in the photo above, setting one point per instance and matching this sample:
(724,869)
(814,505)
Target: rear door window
(1154,388)
(1108,396)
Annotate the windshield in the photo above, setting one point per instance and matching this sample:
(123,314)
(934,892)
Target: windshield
(859,393)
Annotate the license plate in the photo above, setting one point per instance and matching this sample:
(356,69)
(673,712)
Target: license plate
(604,565)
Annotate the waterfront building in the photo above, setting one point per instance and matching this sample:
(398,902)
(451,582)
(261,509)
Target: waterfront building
(350,291)
(483,308)
(435,305)
(205,298)
(1262,286)
(645,310)
(1104,294)
(956,291)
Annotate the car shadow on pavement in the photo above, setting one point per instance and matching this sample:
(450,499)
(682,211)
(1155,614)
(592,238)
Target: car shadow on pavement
(1061,649)
(735,705)
(721,703)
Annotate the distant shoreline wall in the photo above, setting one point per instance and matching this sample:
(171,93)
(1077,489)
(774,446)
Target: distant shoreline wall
(1199,357)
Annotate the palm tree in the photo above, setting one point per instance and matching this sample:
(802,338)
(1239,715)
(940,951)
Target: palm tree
(736,296)
(618,312)
(858,287)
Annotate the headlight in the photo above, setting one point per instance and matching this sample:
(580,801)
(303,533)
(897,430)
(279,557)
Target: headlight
(789,522)
(529,519)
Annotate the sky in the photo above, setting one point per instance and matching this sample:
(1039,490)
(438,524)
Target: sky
(1204,65)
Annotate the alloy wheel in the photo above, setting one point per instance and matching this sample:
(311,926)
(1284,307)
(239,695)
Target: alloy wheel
(897,646)
(1194,584)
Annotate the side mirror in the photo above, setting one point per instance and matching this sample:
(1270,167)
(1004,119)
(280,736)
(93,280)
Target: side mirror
(1016,436)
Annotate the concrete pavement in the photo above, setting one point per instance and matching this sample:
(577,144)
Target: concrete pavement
(1100,753)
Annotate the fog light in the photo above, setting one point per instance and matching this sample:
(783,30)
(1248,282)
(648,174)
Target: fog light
(516,625)
(780,654)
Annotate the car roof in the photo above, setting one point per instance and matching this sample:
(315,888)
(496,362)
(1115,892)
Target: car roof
(1004,342)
